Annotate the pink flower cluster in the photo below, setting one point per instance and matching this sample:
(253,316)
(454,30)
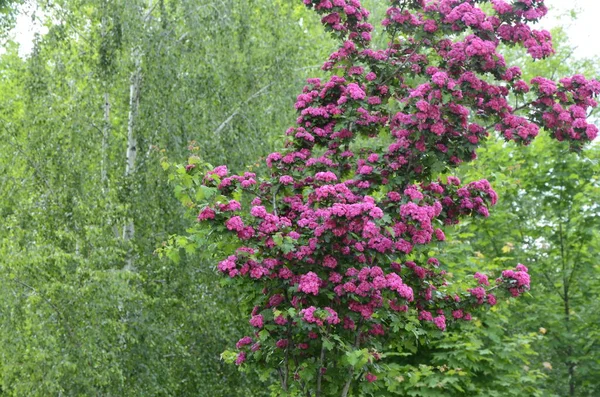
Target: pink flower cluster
(309,283)
(517,280)
(562,108)
(329,316)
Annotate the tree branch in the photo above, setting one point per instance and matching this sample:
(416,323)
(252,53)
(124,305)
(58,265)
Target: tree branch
(236,111)
(320,370)
(346,388)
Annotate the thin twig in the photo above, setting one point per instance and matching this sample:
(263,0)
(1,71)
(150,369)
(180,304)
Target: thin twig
(286,358)
(275,199)
(236,111)
(60,315)
(402,64)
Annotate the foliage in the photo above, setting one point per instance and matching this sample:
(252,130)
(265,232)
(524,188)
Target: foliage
(8,12)
(549,216)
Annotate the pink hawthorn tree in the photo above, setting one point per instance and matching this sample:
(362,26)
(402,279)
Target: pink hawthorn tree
(334,244)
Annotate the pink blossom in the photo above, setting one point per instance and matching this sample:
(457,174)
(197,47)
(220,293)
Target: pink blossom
(478,293)
(206,213)
(309,283)
(482,278)
(355,91)
(340,205)
(235,224)
(309,316)
(258,211)
(246,340)
(257,321)
(326,176)
(241,357)
(439,234)
(370,377)
(440,322)
(333,316)
(330,262)
(220,171)
(286,180)
(425,316)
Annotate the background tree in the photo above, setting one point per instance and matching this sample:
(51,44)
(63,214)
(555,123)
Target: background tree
(552,219)
(85,323)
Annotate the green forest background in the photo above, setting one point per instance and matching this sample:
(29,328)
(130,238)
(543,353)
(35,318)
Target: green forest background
(88,309)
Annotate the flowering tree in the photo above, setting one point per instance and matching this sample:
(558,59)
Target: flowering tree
(334,246)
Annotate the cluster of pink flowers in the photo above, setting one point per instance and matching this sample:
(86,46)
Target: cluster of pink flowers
(517,280)
(308,315)
(335,238)
(562,108)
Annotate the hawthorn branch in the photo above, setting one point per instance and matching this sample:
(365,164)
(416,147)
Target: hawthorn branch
(275,199)
(523,106)
(414,51)
(346,388)
(286,369)
(281,379)
(320,370)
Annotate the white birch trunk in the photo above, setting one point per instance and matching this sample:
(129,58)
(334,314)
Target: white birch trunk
(105,125)
(134,101)
(105,136)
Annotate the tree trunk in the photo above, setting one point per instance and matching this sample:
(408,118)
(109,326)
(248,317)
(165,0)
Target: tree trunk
(570,364)
(105,135)
(106,119)
(567,311)
(134,101)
